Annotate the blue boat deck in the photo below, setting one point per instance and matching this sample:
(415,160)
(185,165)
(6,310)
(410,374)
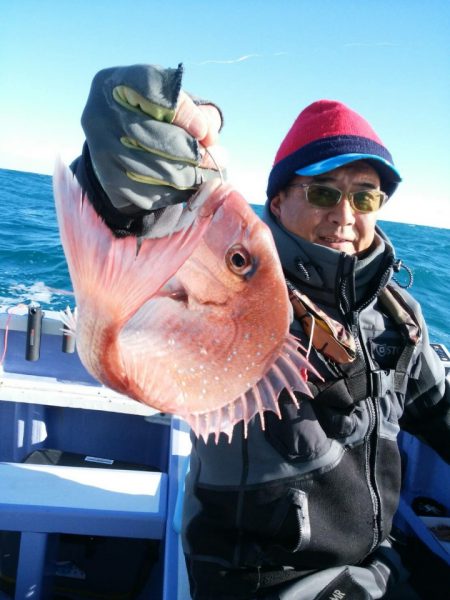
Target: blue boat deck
(128,487)
(120,477)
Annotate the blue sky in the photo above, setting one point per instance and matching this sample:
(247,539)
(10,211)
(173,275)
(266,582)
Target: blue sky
(261,61)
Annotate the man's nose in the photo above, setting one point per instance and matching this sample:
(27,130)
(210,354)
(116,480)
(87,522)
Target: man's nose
(342,213)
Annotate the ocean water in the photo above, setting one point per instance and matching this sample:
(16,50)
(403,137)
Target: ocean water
(33,266)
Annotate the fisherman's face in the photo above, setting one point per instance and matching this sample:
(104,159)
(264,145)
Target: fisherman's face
(339,227)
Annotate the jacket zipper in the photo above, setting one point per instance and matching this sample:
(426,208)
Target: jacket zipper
(298,545)
(240,501)
(352,320)
(370,473)
(370,447)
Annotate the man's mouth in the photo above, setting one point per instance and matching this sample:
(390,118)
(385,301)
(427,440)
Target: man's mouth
(328,239)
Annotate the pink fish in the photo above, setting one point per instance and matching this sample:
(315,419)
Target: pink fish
(196,323)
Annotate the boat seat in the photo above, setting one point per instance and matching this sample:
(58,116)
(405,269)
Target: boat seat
(38,500)
(426,475)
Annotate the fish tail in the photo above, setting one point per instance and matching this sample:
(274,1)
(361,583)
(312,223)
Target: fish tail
(103,267)
(288,371)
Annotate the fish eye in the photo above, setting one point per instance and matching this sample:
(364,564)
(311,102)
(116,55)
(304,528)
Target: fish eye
(238,260)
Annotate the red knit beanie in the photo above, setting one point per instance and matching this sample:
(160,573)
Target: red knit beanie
(325,136)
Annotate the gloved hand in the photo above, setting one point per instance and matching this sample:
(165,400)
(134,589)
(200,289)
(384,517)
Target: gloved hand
(145,145)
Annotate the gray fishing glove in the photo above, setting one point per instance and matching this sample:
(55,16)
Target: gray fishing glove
(149,146)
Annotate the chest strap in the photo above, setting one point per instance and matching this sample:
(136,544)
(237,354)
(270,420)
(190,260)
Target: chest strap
(356,386)
(334,342)
(400,311)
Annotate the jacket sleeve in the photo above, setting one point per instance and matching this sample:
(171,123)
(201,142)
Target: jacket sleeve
(427,402)
(120,223)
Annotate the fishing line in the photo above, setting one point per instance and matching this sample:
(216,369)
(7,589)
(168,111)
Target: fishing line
(216,164)
(311,336)
(219,170)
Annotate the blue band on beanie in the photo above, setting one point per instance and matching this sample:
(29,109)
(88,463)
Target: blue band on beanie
(333,147)
(335,162)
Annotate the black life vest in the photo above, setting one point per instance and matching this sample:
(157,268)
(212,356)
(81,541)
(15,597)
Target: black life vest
(354,381)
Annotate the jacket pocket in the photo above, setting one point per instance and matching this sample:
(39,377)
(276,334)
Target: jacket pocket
(282,523)
(295,529)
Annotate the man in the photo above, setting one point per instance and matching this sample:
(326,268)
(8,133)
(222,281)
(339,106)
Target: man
(302,509)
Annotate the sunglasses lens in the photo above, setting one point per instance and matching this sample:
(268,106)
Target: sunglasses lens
(323,196)
(368,201)
(365,201)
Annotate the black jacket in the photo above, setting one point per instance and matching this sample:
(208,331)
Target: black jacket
(319,487)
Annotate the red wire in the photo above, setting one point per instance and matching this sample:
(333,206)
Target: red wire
(5,337)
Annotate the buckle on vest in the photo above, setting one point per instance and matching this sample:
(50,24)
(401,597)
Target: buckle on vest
(329,337)
(380,383)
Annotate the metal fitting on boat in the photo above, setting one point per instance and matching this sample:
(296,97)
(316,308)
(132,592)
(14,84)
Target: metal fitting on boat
(68,341)
(34,325)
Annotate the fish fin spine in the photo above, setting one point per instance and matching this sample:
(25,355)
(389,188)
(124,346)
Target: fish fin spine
(286,372)
(69,320)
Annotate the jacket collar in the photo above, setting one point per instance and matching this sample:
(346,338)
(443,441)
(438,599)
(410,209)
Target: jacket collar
(319,270)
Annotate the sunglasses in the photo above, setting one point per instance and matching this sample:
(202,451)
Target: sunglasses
(324,196)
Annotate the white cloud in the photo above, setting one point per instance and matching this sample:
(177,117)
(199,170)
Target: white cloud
(411,204)
(250,182)
(38,156)
(233,61)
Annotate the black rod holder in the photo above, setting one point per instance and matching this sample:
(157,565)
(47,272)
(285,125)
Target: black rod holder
(34,326)
(68,341)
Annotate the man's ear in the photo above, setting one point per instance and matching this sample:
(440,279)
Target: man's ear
(275,205)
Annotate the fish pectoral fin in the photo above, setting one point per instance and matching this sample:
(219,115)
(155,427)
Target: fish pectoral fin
(147,355)
(288,371)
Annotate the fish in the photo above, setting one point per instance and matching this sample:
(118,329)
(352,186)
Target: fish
(195,323)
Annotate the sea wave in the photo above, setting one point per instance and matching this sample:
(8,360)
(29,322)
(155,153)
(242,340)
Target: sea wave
(34,267)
